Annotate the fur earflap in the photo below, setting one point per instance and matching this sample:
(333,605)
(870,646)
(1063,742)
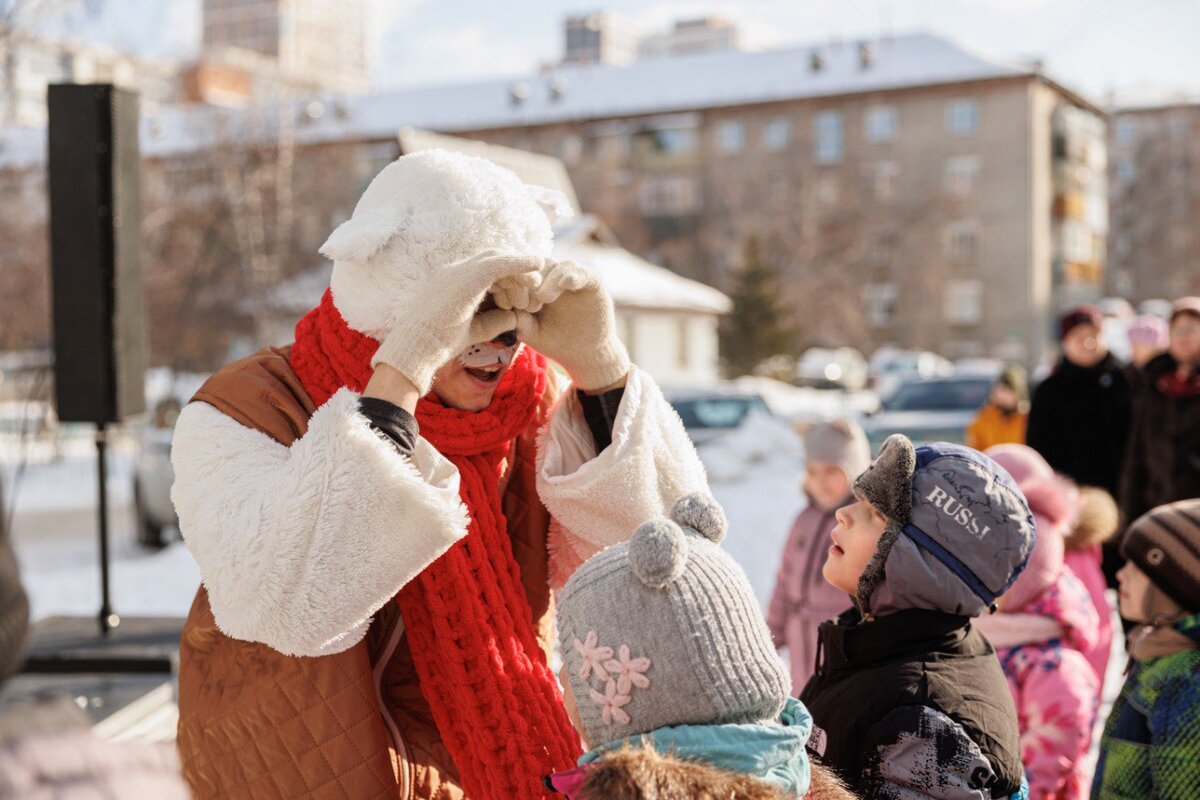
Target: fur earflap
(1096,520)
(887,483)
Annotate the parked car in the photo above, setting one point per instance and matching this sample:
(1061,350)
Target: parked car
(890,366)
(708,414)
(929,410)
(832,368)
(153,476)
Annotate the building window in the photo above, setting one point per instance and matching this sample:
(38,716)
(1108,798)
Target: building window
(962,175)
(962,117)
(881,124)
(731,137)
(962,302)
(1125,131)
(675,140)
(776,134)
(827,130)
(962,242)
(886,173)
(683,349)
(879,303)
(670,196)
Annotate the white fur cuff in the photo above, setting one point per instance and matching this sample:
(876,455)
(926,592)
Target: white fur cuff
(299,546)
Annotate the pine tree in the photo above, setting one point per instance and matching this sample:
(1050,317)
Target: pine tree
(757,327)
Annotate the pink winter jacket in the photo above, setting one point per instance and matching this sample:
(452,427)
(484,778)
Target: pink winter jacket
(803,599)
(1085,564)
(1055,689)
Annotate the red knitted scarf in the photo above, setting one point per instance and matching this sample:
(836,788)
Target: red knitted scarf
(469,625)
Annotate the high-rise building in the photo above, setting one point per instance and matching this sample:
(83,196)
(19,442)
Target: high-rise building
(604,37)
(692,36)
(317,44)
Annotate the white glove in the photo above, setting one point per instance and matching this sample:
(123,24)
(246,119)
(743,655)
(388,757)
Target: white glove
(573,322)
(439,321)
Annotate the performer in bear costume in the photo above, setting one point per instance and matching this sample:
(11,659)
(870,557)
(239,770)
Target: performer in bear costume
(380,509)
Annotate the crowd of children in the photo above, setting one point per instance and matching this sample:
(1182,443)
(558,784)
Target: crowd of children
(948,631)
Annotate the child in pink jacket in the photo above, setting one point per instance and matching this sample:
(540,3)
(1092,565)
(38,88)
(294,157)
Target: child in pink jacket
(1046,621)
(834,453)
(1096,522)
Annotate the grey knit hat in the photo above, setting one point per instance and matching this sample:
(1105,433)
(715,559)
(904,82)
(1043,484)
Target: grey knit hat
(958,534)
(665,630)
(839,442)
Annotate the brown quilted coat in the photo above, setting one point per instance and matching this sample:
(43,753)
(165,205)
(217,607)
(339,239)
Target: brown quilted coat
(257,724)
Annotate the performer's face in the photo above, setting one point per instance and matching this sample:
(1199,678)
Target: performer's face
(470,379)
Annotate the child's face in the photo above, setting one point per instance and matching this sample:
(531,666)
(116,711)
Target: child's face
(855,539)
(827,483)
(1135,588)
(1004,397)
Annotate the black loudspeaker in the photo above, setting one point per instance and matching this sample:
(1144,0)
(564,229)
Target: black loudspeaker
(96,253)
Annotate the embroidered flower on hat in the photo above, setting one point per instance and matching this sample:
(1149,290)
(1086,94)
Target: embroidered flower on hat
(594,656)
(610,703)
(629,671)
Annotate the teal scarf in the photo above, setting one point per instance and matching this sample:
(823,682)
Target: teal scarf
(772,752)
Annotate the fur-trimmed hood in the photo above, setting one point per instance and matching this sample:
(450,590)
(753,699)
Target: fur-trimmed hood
(425,211)
(636,774)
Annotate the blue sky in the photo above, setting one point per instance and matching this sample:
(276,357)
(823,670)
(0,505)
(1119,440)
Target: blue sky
(1133,46)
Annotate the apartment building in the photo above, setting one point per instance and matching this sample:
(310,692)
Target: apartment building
(1154,246)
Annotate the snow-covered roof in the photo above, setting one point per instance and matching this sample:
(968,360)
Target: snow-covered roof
(583,92)
(656,85)
(634,282)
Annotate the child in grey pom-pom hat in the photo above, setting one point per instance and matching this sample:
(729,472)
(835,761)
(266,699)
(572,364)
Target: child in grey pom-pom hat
(667,662)
(908,699)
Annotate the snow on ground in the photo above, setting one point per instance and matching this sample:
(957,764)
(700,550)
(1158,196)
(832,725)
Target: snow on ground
(754,473)
(53,501)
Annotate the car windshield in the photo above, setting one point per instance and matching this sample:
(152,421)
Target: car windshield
(957,395)
(717,412)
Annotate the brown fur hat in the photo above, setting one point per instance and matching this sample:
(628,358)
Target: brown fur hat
(1096,520)
(644,774)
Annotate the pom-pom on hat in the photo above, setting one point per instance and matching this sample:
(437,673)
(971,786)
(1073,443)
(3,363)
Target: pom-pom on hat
(665,630)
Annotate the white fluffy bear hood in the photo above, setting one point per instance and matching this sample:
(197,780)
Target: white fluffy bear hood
(423,212)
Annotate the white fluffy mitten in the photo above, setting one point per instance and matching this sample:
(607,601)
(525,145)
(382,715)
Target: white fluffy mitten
(574,323)
(440,320)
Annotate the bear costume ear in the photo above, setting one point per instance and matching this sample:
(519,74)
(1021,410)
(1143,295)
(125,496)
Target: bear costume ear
(363,235)
(703,514)
(553,202)
(658,552)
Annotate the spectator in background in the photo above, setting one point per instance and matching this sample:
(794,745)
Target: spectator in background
(835,453)
(1163,463)
(1003,418)
(1079,418)
(1148,337)
(1046,626)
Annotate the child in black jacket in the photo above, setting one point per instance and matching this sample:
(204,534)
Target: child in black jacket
(908,699)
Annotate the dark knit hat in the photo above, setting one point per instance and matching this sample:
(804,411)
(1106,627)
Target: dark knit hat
(1165,544)
(1080,315)
(1185,305)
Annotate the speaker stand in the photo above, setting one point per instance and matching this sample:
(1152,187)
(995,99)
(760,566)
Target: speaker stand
(108,620)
